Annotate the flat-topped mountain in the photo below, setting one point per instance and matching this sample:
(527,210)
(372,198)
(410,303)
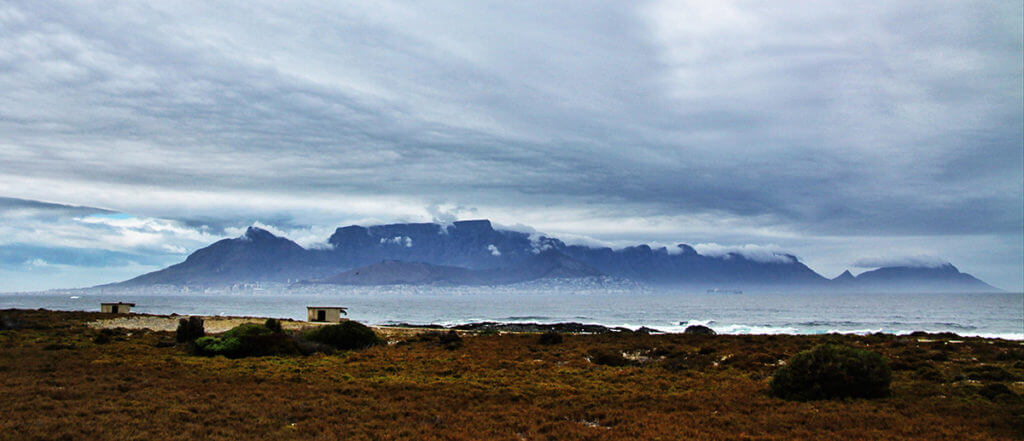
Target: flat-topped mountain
(469,244)
(906,278)
(477,245)
(475,253)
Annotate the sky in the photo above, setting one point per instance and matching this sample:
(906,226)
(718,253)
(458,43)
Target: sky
(851,135)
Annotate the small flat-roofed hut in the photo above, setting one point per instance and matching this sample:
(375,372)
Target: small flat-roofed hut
(116,307)
(325,313)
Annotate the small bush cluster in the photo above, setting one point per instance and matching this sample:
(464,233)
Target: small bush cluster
(107,335)
(989,373)
(550,338)
(914,358)
(1011,355)
(428,336)
(997,392)
(608,357)
(751,361)
(345,335)
(274,325)
(684,361)
(254,340)
(929,373)
(450,340)
(7,323)
(190,329)
(247,340)
(833,371)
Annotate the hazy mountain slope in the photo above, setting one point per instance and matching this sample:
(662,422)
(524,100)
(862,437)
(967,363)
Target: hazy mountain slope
(686,266)
(548,264)
(257,256)
(904,278)
(393,272)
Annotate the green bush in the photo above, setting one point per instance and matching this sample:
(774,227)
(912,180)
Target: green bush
(345,335)
(247,330)
(218,346)
(833,371)
(247,340)
(190,329)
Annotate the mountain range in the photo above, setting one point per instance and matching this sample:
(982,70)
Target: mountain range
(475,253)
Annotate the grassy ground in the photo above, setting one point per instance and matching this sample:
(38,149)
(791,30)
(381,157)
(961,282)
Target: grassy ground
(57,383)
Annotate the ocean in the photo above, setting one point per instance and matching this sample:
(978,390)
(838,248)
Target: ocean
(995,315)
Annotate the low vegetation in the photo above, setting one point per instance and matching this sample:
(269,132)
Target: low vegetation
(345,335)
(58,383)
(833,371)
(255,340)
(248,340)
(190,329)
(551,338)
(450,340)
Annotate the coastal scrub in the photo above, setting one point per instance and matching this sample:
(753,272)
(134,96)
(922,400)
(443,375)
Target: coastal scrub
(833,371)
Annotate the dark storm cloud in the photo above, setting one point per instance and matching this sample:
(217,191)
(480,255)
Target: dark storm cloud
(771,120)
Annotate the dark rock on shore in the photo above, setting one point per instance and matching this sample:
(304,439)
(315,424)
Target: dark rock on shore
(576,328)
(699,330)
(564,328)
(646,330)
(410,325)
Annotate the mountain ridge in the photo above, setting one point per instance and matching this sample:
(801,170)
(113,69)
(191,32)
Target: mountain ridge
(474,252)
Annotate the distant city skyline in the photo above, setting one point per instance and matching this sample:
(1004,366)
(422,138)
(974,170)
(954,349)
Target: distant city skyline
(852,137)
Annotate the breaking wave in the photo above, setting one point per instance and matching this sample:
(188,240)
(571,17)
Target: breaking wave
(815,327)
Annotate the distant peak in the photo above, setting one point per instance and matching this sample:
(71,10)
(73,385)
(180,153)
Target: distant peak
(846,275)
(257,233)
(686,249)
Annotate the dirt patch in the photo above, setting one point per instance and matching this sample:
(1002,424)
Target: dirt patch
(218,324)
(212,324)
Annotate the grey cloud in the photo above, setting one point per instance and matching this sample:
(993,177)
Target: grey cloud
(895,120)
(25,207)
(911,261)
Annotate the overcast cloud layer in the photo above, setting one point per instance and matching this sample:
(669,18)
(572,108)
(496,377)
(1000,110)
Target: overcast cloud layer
(843,134)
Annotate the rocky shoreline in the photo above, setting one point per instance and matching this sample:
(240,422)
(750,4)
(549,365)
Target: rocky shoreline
(565,327)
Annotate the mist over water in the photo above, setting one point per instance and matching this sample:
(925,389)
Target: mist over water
(999,315)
